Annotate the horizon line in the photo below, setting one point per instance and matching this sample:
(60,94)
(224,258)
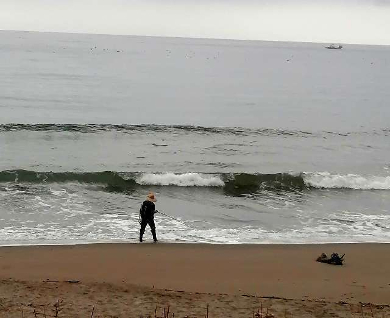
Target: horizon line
(191,37)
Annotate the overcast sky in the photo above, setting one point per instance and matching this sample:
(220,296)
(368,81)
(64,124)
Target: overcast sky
(348,21)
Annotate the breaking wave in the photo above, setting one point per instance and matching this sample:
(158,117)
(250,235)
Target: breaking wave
(348,181)
(181,180)
(232,184)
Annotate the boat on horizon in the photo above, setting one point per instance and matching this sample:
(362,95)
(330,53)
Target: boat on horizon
(334,47)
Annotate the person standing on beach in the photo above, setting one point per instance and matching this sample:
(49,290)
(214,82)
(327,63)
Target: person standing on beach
(147,211)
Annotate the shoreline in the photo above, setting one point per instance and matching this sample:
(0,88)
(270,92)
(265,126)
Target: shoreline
(161,242)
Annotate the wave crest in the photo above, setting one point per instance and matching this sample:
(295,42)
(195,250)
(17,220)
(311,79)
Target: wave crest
(348,181)
(232,184)
(181,180)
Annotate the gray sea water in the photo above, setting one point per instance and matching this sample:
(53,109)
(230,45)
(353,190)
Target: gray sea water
(242,141)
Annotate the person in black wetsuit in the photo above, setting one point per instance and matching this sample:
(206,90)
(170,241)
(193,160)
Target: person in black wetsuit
(147,211)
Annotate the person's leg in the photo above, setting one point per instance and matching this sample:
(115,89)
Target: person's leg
(153,229)
(142,230)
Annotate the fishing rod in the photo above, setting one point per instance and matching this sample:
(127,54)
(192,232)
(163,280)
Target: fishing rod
(171,217)
(162,213)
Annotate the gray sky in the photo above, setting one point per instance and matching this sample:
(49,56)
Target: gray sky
(348,21)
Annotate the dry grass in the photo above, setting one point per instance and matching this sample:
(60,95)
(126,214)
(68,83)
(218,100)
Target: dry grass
(20,299)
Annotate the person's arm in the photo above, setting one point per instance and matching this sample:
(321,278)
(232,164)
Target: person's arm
(154,209)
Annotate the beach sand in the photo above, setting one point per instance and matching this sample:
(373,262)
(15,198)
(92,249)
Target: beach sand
(132,280)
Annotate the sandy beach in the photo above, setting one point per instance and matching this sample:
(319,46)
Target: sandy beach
(131,280)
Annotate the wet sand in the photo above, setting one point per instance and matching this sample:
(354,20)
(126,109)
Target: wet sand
(132,279)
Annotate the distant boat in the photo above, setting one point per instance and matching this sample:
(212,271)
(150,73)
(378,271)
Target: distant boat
(334,47)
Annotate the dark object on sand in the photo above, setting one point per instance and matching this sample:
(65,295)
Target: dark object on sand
(334,259)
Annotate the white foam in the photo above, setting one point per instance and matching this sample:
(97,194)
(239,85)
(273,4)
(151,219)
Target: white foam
(348,181)
(181,180)
(106,229)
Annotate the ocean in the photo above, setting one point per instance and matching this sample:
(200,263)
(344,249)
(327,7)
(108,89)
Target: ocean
(242,141)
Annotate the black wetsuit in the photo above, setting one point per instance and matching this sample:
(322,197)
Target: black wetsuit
(147,211)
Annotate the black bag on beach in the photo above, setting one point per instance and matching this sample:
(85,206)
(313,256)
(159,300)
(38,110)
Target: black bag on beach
(334,259)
